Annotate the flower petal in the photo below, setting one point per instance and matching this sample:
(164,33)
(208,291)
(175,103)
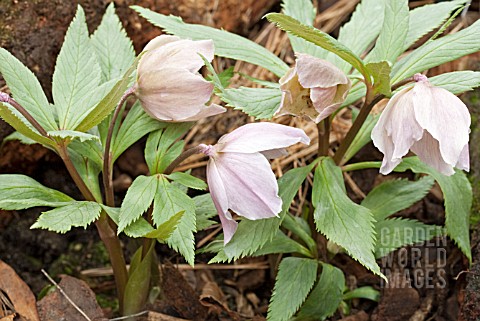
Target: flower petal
(428,151)
(250,184)
(257,137)
(315,72)
(172,94)
(220,200)
(445,117)
(206,111)
(159,41)
(464,159)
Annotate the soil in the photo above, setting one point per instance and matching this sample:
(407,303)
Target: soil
(33,31)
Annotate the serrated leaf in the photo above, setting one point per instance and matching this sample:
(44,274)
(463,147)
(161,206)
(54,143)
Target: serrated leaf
(204,210)
(17,121)
(62,219)
(168,201)
(339,218)
(97,114)
(457,192)
(437,52)
(295,278)
(227,44)
(428,17)
(165,230)
(137,200)
(317,37)
(113,47)
(380,72)
(20,137)
(138,228)
(457,82)
(282,244)
(261,103)
(252,235)
(361,30)
(394,31)
(187,180)
(77,72)
(71,135)
(136,125)
(303,11)
(398,232)
(364,292)
(325,297)
(393,196)
(26,90)
(18,192)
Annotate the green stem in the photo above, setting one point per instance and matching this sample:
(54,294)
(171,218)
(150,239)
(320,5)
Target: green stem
(183,156)
(362,165)
(25,114)
(107,157)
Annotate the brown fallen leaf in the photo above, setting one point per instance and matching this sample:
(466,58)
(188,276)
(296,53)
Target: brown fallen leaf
(8,318)
(18,293)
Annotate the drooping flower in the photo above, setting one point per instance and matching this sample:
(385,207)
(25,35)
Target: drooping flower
(314,88)
(239,175)
(169,86)
(430,121)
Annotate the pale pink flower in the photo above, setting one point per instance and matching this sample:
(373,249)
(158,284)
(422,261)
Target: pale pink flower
(314,88)
(430,121)
(169,86)
(239,175)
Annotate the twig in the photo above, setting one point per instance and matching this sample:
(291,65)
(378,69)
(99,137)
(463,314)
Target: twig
(129,316)
(65,295)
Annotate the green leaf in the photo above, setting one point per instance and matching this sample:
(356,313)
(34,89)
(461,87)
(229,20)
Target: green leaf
(252,235)
(71,135)
(109,102)
(162,146)
(437,52)
(18,192)
(260,103)
(17,121)
(380,72)
(138,228)
(136,125)
(227,44)
(187,180)
(165,230)
(457,82)
(168,201)
(319,38)
(282,244)
(295,278)
(393,196)
(75,214)
(77,72)
(339,218)
(20,137)
(26,90)
(394,31)
(113,47)
(457,192)
(137,200)
(398,232)
(364,292)
(204,210)
(224,77)
(325,297)
(428,17)
(359,33)
(363,137)
(303,11)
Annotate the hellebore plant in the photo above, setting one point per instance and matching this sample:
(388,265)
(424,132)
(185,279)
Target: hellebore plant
(89,126)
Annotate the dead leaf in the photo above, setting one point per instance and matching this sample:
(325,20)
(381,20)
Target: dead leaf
(18,292)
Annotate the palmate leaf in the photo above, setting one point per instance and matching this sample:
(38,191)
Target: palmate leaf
(339,218)
(295,278)
(303,11)
(457,192)
(227,44)
(325,297)
(77,72)
(261,103)
(457,82)
(437,52)
(18,192)
(204,210)
(398,232)
(71,135)
(187,180)
(282,244)
(394,31)
(113,47)
(318,38)
(165,230)
(428,17)
(26,90)
(75,214)
(393,196)
(168,201)
(361,30)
